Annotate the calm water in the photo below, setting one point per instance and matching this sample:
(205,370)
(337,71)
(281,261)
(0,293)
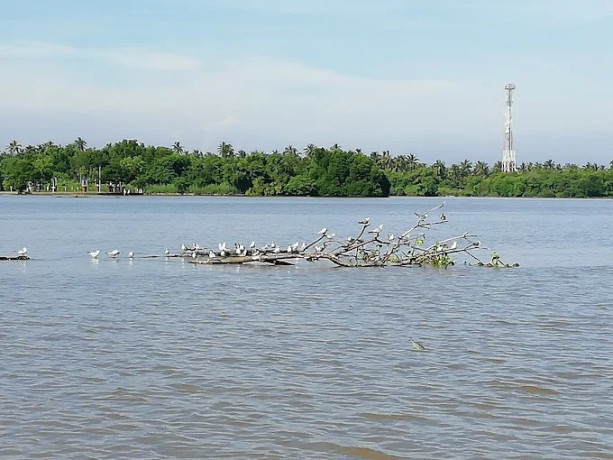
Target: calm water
(157,358)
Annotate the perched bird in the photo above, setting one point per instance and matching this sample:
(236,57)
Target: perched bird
(130,255)
(23,251)
(377,229)
(454,245)
(114,253)
(183,247)
(252,245)
(417,346)
(330,235)
(212,255)
(167,251)
(95,254)
(277,250)
(273,245)
(391,237)
(365,221)
(194,255)
(222,246)
(303,247)
(322,231)
(443,217)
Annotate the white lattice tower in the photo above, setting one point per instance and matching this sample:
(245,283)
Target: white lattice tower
(508,152)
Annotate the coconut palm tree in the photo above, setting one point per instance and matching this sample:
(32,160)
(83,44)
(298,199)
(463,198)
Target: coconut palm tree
(481,169)
(439,168)
(309,150)
(14,147)
(225,150)
(80,144)
(178,148)
(465,168)
(411,162)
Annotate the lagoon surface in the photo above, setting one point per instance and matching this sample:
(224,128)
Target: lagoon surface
(160,358)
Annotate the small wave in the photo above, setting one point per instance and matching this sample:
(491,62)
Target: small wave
(353,451)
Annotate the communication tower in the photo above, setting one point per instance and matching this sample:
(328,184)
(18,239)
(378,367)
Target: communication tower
(508,152)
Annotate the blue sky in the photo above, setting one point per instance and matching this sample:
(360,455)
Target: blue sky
(423,77)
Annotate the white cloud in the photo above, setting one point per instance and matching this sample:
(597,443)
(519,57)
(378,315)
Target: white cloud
(59,93)
(132,57)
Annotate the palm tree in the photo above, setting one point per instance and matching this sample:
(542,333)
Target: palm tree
(411,162)
(225,150)
(481,169)
(290,150)
(309,150)
(549,164)
(14,147)
(335,146)
(177,148)
(439,168)
(80,144)
(465,168)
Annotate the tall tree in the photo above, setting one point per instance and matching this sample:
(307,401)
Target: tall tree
(178,148)
(14,147)
(80,144)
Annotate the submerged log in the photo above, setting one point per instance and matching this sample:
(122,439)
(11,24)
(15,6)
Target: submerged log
(20,257)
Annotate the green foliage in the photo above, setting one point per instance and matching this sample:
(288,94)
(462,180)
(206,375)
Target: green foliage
(317,172)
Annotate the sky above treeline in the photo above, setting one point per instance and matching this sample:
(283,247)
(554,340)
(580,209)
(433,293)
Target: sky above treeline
(408,76)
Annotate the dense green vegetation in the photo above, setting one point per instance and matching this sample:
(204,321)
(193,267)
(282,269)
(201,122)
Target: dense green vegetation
(315,171)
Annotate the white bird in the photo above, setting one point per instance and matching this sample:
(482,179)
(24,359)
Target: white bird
(114,253)
(252,245)
(391,237)
(222,246)
(295,245)
(377,229)
(194,255)
(330,236)
(303,247)
(95,254)
(418,346)
(212,255)
(23,251)
(167,251)
(130,255)
(365,221)
(454,245)
(289,249)
(277,250)
(322,231)
(273,245)
(183,247)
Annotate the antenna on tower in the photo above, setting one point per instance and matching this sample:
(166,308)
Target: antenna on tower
(508,152)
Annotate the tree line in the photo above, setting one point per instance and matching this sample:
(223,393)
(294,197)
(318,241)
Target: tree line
(312,171)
